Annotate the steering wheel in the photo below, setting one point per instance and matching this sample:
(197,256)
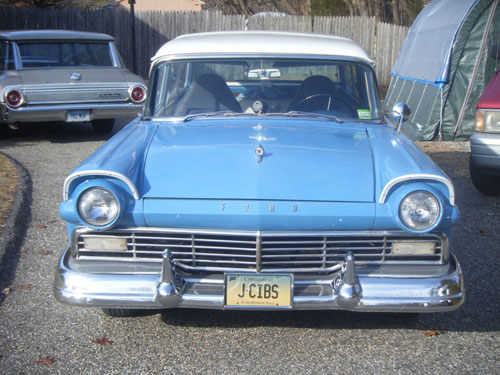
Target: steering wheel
(312,100)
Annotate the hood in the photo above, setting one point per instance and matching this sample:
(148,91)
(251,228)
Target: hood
(300,160)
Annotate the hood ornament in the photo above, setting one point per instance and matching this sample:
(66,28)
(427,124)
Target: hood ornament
(75,76)
(259,151)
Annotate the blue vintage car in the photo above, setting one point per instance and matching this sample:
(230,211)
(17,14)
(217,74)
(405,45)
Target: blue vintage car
(261,175)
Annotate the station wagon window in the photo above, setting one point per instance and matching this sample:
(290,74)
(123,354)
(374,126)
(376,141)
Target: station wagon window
(62,54)
(6,57)
(340,88)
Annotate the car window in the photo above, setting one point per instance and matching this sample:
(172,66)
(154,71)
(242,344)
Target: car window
(62,54)
(340,88)
(6,57)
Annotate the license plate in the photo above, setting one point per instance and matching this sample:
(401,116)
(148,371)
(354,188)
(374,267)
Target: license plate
(262,291)
(78,116)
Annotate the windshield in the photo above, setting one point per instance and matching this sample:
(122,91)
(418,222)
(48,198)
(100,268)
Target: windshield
(65,54)
(337,88)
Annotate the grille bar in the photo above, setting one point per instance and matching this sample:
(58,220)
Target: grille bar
(258,251)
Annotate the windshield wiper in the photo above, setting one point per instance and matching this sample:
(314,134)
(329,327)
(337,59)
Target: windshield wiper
(211,114)
(288,114)
(306,114)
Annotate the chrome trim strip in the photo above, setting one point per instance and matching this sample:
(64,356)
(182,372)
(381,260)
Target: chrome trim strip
(410,177)
(258,251)
(17,55)
(73,85)
(49,104)
(114,54)
(69,107)
(116,175)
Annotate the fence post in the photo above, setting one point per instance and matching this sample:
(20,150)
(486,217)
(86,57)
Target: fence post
(132,39)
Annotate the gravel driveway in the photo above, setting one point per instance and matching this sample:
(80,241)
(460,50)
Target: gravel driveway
(39,335)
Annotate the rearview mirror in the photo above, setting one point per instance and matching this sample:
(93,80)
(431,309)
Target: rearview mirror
(264,73)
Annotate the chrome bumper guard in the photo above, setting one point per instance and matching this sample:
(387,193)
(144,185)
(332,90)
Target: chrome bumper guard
(346,290)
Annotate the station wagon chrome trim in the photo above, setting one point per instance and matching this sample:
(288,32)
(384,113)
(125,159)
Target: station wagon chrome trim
(112,105)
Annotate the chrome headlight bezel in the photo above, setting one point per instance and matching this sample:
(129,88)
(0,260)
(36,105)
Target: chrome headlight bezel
(103,195)
(422,200)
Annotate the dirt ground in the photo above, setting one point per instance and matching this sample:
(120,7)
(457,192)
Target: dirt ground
(8,185)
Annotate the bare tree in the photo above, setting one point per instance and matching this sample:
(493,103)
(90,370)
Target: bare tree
(396,14)
(362,7)
(378,10)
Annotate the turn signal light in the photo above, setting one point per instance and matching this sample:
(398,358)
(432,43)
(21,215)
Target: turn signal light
(479,121)
(14,98)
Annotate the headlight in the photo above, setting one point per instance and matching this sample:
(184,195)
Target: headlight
(98,207)
(419,210)
(488,121)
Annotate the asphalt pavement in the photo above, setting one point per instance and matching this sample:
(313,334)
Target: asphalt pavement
(38,335)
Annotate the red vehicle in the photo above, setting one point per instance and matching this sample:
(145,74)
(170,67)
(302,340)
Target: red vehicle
(485,142)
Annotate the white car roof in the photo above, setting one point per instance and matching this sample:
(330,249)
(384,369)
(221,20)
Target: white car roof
(270,43)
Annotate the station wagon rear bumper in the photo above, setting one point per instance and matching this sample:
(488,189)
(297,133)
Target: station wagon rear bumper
(347,289)
(44,113)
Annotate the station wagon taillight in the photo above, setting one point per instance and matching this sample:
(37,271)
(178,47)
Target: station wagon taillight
(14,98)
(137,94)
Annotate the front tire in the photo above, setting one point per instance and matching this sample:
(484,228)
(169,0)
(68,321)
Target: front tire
(486,183)
(103,126)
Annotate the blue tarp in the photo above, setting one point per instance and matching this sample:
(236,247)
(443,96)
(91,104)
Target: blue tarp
(425,55)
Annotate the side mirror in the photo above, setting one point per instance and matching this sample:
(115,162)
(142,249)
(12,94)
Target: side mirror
(400,113)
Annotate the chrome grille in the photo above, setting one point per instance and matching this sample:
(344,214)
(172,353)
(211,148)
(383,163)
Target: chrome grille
(251,251)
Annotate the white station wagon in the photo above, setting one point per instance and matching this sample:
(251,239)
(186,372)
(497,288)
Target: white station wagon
(60,75)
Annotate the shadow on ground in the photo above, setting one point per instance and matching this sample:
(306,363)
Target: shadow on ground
(60,132)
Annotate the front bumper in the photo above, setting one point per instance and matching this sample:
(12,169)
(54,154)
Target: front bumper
(346,289)
(485,150)
(58,112)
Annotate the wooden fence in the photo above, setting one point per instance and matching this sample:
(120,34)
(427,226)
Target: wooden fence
(153,29)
